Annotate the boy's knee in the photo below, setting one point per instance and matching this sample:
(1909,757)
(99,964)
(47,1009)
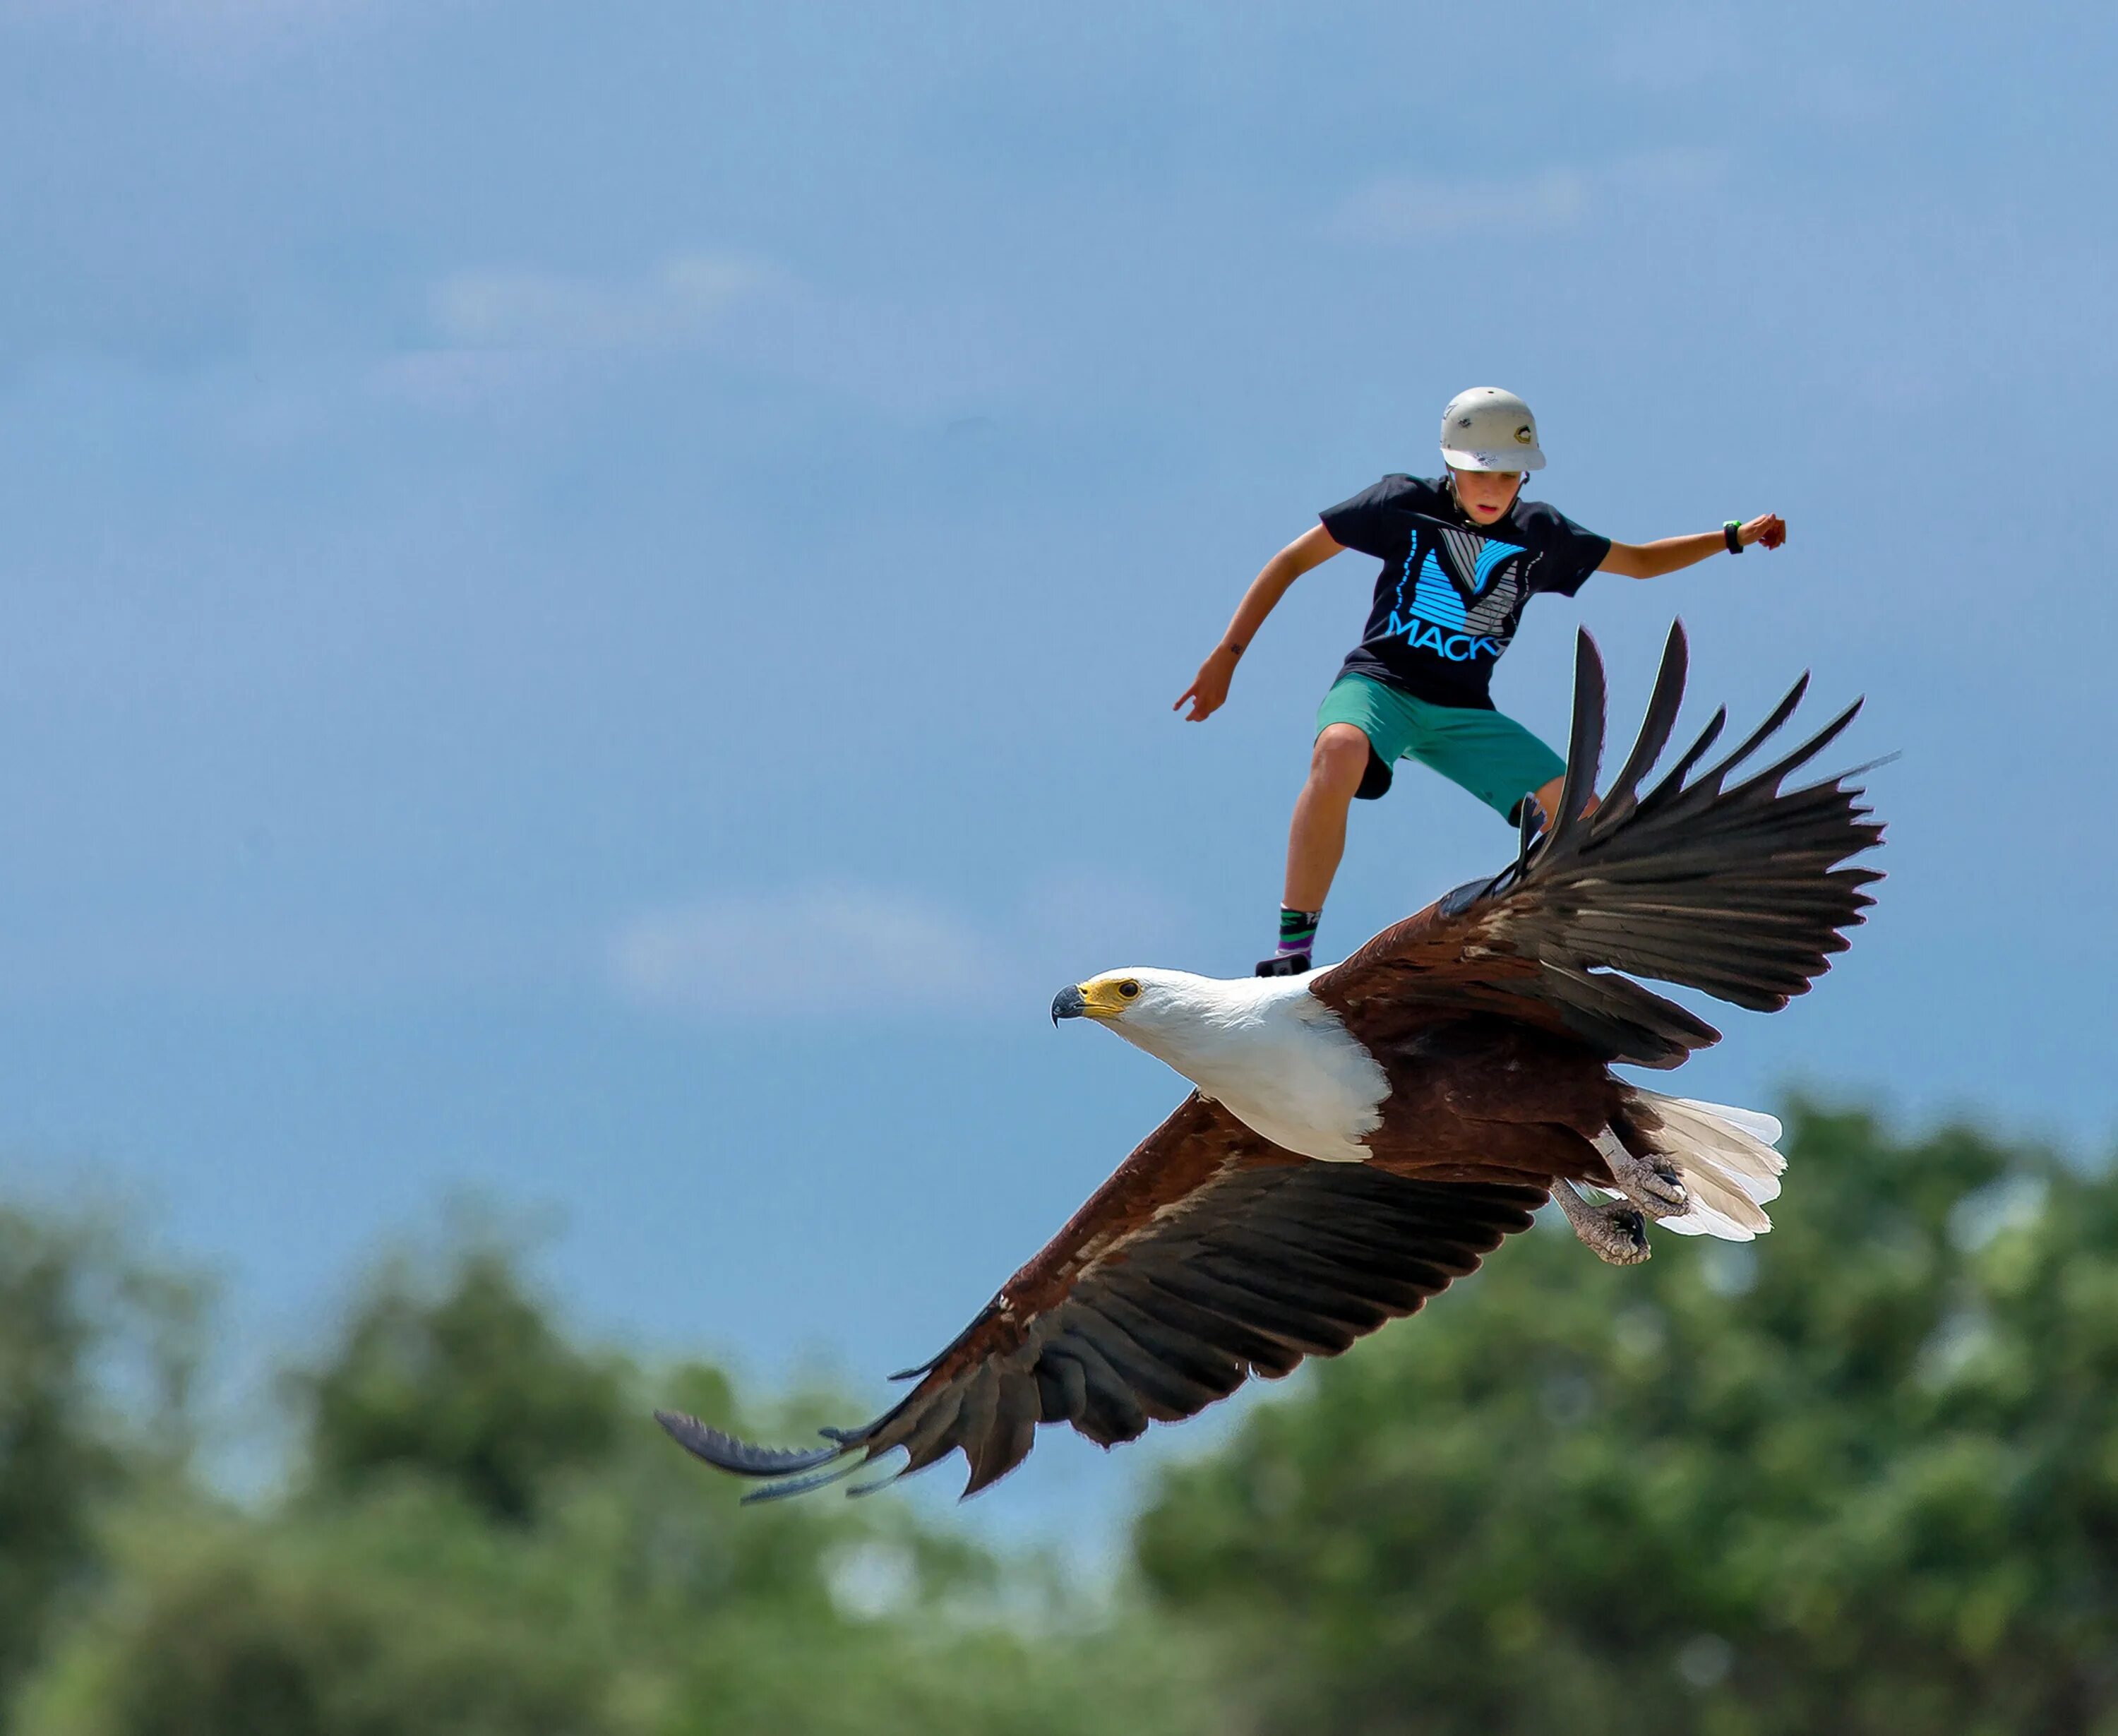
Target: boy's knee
(1546,798)
(1339,759)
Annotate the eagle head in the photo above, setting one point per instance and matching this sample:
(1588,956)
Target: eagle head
(1109,996)
(1136,1001)
(1202,1026)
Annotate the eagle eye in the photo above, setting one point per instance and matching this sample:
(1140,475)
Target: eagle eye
(1127,989)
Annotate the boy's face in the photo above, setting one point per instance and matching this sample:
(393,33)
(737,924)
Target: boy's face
(1487,494)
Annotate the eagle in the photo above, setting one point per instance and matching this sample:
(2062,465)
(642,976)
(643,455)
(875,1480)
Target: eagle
(1361,1137)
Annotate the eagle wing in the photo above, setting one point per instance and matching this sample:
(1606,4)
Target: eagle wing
(1210,1254)
(1724,881)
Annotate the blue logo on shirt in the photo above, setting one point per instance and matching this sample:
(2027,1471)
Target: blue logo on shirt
(1439,617)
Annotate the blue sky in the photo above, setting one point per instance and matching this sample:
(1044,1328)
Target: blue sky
(590,598)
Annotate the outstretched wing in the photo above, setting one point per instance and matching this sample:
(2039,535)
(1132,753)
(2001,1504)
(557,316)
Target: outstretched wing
(1210,1253)
(1736,888)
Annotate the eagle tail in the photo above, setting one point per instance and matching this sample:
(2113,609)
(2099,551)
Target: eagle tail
(1725,1155)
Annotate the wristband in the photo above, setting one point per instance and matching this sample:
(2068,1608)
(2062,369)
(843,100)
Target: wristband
(1731,533)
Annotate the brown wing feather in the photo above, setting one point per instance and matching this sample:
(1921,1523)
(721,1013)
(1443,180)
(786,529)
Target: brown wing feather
(1739,890)
(1210,1255)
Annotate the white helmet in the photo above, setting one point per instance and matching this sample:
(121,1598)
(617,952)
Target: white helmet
(1485,428)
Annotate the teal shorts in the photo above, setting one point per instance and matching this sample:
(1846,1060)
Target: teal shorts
(1493,756)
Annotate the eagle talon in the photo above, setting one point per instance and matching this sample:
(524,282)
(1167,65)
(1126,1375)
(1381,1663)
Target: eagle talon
(1655,1186)
(1616,1233)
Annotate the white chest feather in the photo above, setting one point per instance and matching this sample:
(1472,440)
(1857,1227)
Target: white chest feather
(1282,1063)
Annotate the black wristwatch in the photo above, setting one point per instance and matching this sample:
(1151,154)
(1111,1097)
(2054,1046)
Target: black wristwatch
(1731,533)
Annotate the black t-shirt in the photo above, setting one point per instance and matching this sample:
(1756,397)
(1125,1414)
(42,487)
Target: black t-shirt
(1452,590)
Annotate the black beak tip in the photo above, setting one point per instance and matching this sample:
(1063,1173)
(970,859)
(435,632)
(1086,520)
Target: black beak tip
(1069,1003)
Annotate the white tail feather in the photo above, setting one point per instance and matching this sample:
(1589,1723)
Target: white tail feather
(1726,1158)
(1755,1122)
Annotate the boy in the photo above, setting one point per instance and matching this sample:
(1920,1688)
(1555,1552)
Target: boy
(1461,555)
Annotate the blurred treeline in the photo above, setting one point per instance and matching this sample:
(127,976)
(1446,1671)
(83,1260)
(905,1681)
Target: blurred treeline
(1860,1477)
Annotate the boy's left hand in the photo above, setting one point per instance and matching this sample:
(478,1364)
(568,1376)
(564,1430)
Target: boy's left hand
(1768,528)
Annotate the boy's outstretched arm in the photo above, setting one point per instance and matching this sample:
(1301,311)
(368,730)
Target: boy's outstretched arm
(1673,553)
(1210,687)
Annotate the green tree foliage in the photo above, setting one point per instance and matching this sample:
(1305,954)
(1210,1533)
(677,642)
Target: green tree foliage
(464,1380)
(492,1538)
(1860,1476)
(76,1313)
(227,1628)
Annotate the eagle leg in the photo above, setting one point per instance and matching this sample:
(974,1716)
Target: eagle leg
(1650,1181)
(1616,1233)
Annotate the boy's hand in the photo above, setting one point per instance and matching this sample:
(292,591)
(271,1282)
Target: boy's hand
(1209,688)
(1768,528)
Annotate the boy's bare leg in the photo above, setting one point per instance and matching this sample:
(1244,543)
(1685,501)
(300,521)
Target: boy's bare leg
(1317,839)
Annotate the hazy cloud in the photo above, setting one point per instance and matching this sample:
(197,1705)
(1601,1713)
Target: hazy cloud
(823,949)
(496,336)
(1406,206)
(1678,49)
(833,948)
(1717,46)
(1402,208)
(675,305)
(213,32)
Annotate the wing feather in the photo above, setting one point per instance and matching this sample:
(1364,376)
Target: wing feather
(1209,1256)
(1740,890)
(1061,1390)
(1115,1412)
(1009,1436)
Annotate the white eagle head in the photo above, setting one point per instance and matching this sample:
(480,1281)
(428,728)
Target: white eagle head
(1171,1014)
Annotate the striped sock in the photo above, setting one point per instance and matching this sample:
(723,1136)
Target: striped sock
(1297,932)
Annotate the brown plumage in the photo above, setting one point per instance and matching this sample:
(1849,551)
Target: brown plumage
(1213,1253)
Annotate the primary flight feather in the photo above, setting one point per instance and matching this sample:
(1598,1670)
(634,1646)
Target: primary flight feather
(1361,1137)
